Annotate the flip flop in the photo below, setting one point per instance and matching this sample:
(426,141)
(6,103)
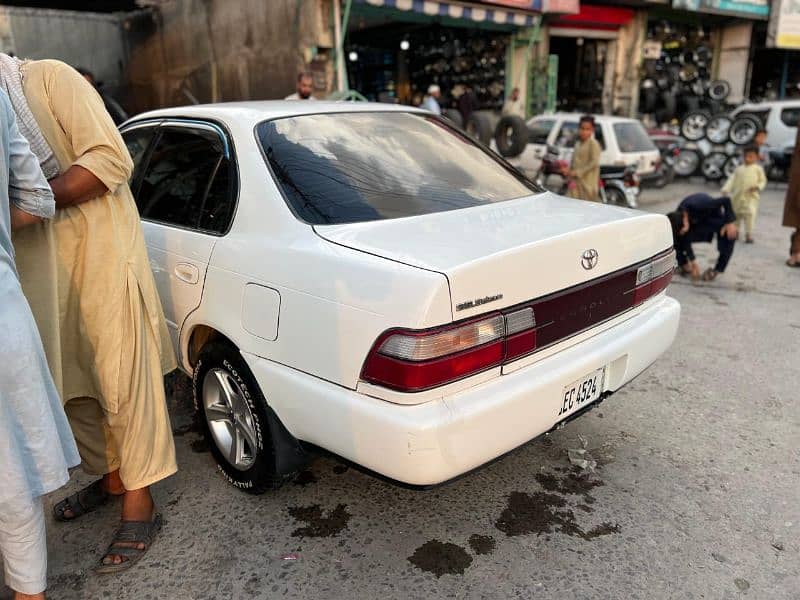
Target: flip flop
(130,532)
(794,265)
(90,498)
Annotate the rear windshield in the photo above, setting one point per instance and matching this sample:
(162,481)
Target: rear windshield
(631,137)
(353,167)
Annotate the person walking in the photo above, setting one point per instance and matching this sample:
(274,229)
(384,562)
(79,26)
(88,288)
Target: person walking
(744,187)
(700,218)
(102,323)
(583,175)
(36,445)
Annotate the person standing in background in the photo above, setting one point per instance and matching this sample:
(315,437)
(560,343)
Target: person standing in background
(744,188)
(583,174)
(305,85)
(431,101)
(36,444)
(513,106)
(791,207)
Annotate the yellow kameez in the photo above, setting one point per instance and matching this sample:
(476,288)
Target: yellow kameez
(87,278)
(586,164)
(744,187)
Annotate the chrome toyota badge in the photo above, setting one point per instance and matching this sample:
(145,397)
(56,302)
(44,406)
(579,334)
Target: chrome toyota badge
(589,259)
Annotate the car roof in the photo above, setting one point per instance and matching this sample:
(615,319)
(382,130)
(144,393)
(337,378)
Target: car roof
(768,104)
(577,116)
(257,111)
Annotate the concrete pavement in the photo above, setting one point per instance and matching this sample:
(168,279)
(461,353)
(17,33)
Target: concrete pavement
(695,494)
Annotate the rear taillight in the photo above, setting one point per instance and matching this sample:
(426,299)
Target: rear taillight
(653,277)
(412,360)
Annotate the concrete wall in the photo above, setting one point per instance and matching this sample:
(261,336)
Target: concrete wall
(218,50)
(90,40)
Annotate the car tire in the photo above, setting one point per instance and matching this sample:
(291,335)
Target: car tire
(744,129)
(731,164)
(719,89)
(479,127)
(452,115)
(693,125)
(713,166)
(718,129)
(511,136)
(686,162)
(221,382)
(665,175)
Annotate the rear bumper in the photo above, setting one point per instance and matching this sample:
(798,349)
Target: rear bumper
(436,441)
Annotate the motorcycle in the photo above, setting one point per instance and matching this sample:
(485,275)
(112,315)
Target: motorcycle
(617,185)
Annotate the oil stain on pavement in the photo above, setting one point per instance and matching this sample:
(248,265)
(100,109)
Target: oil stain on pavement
(441,558)
(481,544)
(317,524)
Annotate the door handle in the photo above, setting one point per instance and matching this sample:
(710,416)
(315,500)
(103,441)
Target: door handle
(187,272)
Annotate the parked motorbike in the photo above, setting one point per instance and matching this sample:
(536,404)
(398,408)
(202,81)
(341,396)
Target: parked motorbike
(618,184)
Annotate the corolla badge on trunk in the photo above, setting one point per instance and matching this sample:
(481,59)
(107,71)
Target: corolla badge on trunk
(589,259)
(478,302)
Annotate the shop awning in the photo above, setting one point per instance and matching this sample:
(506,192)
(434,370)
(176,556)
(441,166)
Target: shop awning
(499,12)
(608,18)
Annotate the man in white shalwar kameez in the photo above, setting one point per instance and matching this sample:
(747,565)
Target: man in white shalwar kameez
(36,444)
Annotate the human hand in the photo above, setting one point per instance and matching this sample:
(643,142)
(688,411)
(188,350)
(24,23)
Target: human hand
(730,231)
(693,269)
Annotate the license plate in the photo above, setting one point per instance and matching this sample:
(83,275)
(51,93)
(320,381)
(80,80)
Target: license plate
(581,393)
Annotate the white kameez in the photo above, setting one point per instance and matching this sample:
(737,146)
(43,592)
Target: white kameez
(36,444)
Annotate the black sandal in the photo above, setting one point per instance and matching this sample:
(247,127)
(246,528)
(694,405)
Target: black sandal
(129,532)
(90,498)
(794,265)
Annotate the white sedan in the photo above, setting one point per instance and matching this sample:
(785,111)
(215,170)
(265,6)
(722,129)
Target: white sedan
(365,279)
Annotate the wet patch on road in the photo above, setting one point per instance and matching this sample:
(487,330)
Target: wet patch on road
(441,558)
(317,524)
(572,482)
(305,478)
(481,544)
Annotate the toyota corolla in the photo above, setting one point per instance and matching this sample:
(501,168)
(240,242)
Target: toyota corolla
(368,280)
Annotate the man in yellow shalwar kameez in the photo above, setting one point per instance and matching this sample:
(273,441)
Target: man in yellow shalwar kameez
(87,278)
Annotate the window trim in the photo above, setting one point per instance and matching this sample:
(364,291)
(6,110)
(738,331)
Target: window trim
(197,124)
(513,171)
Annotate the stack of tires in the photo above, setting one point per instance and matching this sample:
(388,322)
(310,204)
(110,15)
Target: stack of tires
(714,143)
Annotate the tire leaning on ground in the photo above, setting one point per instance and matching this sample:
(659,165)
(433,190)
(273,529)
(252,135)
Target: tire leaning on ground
(686,163)
(235,419)
(452,115)
(693,125)
(511,136)
(479,127)
(744,129)
(713,165)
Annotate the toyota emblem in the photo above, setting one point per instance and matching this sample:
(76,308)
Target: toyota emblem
(589,259)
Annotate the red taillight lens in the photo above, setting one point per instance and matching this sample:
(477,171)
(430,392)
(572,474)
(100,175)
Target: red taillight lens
(414,361)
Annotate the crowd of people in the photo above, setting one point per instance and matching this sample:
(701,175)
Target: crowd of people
(85,344)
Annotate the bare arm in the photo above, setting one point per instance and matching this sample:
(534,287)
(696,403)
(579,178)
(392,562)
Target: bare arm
(76,186)
(20,219)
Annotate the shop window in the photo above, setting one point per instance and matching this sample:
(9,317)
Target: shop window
(187,181)
(539,131)
(568,135)
(790,116)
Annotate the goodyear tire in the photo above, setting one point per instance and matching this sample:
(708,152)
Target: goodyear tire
(479,127)
(235,419)
(511,136)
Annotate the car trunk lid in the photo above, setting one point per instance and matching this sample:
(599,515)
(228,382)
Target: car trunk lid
(500,255)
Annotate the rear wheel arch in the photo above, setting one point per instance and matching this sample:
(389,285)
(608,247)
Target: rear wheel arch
(200,336)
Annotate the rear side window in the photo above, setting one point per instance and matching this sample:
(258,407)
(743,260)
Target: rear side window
(539,130)
(188,181)
(632,137)
(354,167)
(568,135)
(790,116)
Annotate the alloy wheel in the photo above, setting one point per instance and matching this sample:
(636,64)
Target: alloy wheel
(229,419)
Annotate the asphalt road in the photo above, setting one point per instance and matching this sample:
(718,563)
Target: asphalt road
(695,493)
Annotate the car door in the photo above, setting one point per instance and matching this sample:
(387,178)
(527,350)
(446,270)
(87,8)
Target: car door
(185,188)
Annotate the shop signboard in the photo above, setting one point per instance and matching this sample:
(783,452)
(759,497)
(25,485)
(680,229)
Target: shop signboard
(787,32)
(758,9)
